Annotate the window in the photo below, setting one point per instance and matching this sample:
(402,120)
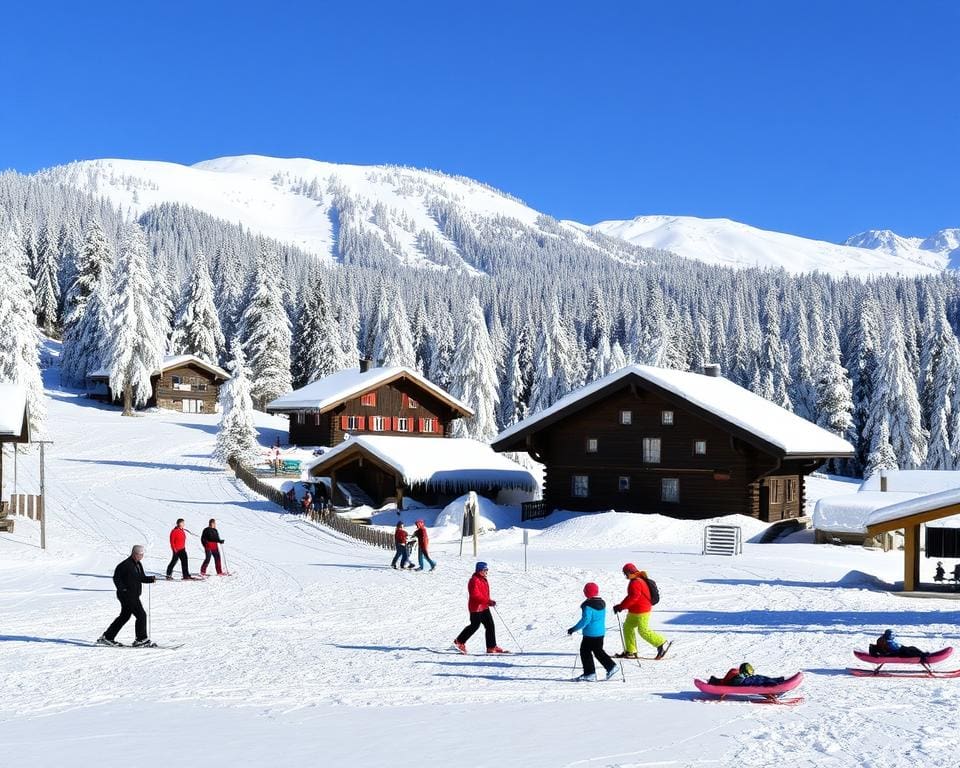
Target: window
(175,380)
(592,444)
(402,424)
(700,447)
(354,422)
(301,417)
(428,425)
(651,450)
(670,490)
(776,492)
(369,399)
(377,423)
(411,403)
(666,418)
(580,486)
(626,417)
(791,490)
(623,484)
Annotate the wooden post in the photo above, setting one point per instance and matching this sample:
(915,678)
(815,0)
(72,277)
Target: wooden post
(911,558)
(42,511)
(399,494)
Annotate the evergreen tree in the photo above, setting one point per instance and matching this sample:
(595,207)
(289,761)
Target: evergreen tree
(864,360)
(515,402)
(197,330)
(267,333)
(47,282)
(618,360)
(393,345)
(942,395)
(441,351)
(237,437)
(137,332)
(473,377)
(834,399)
(316,347)
(881,454)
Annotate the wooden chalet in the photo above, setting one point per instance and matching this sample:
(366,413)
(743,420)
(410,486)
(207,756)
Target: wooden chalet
(184,383)
(686,445)
(368,401)
(14,418)
(372,469)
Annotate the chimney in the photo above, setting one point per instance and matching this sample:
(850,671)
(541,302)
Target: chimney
(365,364)
(711,369)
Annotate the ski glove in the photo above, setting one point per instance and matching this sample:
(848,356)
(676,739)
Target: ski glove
(617,608)
(569,631)
(493,603)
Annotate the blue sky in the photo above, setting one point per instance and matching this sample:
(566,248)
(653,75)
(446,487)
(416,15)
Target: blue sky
(820,118)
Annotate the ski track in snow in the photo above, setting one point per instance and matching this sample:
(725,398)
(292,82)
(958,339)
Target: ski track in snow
(314,632)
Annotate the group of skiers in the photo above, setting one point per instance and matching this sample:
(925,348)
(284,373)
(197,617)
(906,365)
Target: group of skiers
(642,595)
(403,545)
(209,539)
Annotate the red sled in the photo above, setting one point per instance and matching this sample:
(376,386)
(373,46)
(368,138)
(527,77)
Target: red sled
(770,694)
(926,671)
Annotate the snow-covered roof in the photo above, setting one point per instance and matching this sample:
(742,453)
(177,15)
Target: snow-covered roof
(448,464)
(740,407)
(915,506)
(917,481)
(13,408)
(171,361)
(346,384)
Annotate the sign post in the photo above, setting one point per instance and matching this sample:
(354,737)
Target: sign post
(526,540)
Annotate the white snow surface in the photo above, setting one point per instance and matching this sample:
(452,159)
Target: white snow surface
(720,396)
(348,383)
(446,462)
(316,652)
(13,402)
(733,244)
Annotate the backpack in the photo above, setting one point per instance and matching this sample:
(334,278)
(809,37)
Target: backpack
(654,592)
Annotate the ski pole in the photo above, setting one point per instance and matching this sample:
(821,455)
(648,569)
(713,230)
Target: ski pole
(223,557)
(623,642)
(149,606)
(507,626)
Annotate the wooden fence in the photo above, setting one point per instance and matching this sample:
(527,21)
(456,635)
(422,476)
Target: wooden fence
(328,518)
(26,505)
(533,510)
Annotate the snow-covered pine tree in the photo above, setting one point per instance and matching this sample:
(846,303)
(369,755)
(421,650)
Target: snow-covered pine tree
(197,329)
(770,375)
(20,339)
(943,395)
(267,332)
(805,383)
(137,328)
(474,377)
(94,260)
(834,401)
(441,349)
(864,353)
(316,344)
(618,358)
(881,454)
(237,436)
(46,281)
(515,400)
(91,336)
(393,345)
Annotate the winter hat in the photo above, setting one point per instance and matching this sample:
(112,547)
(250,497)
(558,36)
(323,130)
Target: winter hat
(746,668)
(590,589)
(630,568)
(481,566)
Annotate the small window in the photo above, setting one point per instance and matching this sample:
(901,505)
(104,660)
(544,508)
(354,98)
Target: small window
(777,492)
(411,403)
(700,447)
(651,450)
(369,399)
(175,380)
(580,486)
(377,423)
(592,444)
(666,418)
(670,490)
(403,424)
(791,490)
(316,419)
(626,417)
(353,422)
(428,425)
(623,484)
(300,417)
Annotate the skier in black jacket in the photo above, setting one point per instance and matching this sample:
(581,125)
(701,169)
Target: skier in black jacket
(210,538)
(129,578)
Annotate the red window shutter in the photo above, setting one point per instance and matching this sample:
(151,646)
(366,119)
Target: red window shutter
(437,427)
(362,422)
(404,401)
(419,425)
(393,424)
(344,423)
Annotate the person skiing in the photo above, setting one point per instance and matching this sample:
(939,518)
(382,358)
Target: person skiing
(423,541)
(211,541)
(178,544)
(479,605)
(129,578)
(400,540)
(593,623)
(638,605)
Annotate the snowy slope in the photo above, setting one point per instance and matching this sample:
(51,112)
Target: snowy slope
(414,215)
(316,647)
(730,243)
(941,246)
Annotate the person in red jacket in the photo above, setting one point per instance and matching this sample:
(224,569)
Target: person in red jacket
(479,606)
(423,542)
(178,544)
(638,606)
(400,541)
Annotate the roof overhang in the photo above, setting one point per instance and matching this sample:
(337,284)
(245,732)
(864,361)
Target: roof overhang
(917,518)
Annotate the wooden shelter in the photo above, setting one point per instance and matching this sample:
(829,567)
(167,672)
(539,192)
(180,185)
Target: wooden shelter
(185,383)
(14,418)
(908,516)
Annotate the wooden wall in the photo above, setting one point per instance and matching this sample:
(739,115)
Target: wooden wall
(204,386)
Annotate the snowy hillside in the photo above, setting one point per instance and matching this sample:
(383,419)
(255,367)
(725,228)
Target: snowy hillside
(316,647)
(418,217)
(730,243)
(940,247)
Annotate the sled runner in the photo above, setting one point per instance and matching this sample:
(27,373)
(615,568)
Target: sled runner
(769,694)
(925,671)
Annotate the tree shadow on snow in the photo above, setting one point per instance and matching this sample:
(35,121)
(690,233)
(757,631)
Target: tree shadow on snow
(261,505)
(82,589)
(499,678)
(854,579)
(680,695)
(503,664)
(147,464)
(93,575)
(55,640)
(210,429)
(820,622)
(825,672)
(385,566)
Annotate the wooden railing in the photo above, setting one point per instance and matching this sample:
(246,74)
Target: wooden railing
(328,517)
(533,510)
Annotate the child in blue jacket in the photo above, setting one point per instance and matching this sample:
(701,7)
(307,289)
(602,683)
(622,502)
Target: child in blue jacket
(593,622)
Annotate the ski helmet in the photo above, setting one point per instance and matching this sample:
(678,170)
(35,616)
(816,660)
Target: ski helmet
(590,589)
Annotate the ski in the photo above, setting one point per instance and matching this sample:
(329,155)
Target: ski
(933,674)
(158,646)
(775,700)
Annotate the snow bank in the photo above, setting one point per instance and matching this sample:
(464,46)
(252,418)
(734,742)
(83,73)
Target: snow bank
(915,506)
(849,513)
(914,481)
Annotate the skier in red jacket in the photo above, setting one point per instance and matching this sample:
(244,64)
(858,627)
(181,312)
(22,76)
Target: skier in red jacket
(479,606)
(638,605)
(400,541)
(178,544)
(423,542)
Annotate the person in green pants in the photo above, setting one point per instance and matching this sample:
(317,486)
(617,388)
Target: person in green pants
(638,605)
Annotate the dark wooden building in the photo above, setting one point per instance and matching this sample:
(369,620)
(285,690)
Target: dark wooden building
(368,401)
(182,383)
(686,445)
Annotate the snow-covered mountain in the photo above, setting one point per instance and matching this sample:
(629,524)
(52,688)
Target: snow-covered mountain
(730,243)
(939,247)
(419,217)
